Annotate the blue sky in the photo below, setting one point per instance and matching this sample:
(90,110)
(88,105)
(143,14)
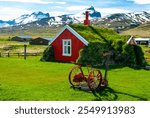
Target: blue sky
(10,9)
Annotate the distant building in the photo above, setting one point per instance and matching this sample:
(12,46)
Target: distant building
(135,41)
(21,38)
(144,41)
(40,41)
(131,41)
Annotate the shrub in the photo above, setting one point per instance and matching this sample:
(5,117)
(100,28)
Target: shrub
(123,54)
(48,54)
(140,60)
(117,46)
(128,54)
(133,56)
(92,54)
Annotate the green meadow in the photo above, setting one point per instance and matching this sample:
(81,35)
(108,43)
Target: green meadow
(33,80)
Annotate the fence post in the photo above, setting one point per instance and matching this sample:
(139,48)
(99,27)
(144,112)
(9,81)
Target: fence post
(8,54)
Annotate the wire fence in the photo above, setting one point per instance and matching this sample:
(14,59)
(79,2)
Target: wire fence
(18,54)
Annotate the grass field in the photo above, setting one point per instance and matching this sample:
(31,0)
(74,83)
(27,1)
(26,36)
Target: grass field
(18,47)
(35,80)
(146,51)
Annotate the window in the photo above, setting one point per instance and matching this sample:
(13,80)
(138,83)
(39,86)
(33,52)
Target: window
(67,47)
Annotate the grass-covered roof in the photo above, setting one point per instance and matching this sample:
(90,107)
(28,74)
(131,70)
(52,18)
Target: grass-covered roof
(96,34)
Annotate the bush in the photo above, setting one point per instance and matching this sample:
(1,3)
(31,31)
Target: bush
(140,60)
(117,46)
(128,54)
(48,54)
(92,54)
(122,54)
(133,56)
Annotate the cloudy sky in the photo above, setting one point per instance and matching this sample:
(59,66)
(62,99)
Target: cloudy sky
(10,9)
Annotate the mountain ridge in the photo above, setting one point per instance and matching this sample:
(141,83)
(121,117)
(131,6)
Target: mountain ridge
(60,20)
(123,21)
(117,21)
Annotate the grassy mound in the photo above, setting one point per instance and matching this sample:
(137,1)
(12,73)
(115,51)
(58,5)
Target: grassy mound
(102,40)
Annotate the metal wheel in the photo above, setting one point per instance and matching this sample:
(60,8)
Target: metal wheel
(75,76)
(94,79)
(104,83)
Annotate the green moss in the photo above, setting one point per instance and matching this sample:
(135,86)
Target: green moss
(103,40)
(48,54)
(93,34)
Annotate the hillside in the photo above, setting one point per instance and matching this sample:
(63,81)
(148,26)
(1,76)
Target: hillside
(30,31)
(140,31)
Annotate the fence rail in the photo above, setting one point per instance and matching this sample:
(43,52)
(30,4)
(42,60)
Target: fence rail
(19,54)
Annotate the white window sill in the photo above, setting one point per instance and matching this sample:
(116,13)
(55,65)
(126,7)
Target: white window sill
(68,55)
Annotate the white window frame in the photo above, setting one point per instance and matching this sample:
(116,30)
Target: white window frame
(65,53)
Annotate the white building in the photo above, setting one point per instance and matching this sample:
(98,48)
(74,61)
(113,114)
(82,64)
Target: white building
(143,41)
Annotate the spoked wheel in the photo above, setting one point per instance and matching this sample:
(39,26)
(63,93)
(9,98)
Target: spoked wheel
(94,79)
(104,83)
(75,76)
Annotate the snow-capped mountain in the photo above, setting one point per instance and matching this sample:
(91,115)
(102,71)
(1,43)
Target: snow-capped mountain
(140,17)
(6,23)
(116,21)
(93,13)
(39,18)
(75,18)
(80,17)
(24,19)
(36,16)
(121,21)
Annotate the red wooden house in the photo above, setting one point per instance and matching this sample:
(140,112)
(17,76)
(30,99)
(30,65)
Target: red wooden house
(67,45)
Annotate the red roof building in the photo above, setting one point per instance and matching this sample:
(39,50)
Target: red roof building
(67,45)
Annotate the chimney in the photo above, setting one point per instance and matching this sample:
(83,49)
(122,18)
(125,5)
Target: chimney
(87,21)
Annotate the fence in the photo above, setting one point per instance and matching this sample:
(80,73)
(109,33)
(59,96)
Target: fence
(19,54)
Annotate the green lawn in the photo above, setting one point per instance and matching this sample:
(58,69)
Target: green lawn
(146,51)
(35,80)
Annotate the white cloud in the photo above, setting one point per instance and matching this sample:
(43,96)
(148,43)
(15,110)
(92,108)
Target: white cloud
(76,8)
(57,13)
(29,1)
(141,1)
(107,11)
(60,2)
(7,13)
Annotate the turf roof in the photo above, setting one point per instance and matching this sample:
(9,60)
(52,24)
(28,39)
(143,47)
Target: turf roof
(94,34)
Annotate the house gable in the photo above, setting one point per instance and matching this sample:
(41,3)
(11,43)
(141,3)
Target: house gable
(67,46)
(131,41)
(73,32)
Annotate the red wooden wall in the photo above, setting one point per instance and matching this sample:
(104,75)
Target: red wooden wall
(58,49)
